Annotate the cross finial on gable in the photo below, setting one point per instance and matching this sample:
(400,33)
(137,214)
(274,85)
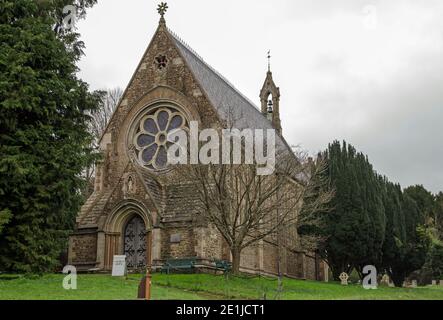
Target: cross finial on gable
(162,8)
(269,60)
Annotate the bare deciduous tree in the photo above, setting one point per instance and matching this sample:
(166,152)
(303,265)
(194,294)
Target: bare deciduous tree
(246,207)
(102,116)
(99,121)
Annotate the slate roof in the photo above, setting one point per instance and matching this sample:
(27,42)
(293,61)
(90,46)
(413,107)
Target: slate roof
(223,95)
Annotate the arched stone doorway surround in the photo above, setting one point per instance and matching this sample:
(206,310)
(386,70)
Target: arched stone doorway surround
(115,227)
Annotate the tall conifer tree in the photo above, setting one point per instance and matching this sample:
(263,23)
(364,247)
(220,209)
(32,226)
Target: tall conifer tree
(356,226)
(44,141)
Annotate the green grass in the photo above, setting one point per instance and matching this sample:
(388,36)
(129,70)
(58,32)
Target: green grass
(256,288)
(196,287)
(89,287)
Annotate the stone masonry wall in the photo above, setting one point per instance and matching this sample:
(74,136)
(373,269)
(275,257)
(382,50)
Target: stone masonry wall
(270,261)
(177,242)
(83,248)
(249,258)
(310,266)
(209,242)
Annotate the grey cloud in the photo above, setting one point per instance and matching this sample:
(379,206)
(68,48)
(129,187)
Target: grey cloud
(393,111)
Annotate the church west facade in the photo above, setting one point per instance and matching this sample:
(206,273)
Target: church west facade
(138,207)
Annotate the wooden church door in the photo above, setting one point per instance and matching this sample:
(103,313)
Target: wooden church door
(135,243)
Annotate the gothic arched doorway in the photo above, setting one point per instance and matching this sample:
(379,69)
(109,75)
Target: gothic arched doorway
(135,243)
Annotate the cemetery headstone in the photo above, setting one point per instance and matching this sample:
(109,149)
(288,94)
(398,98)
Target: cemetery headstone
(344,278)
(385,280)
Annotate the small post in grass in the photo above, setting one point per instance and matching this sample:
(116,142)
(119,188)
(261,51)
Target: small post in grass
(148,284)
(148,268)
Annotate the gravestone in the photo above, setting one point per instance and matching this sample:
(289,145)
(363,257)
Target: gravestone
(441,283)
(385,280)
(119,266)
(434,282)
(414,284)
(344,278)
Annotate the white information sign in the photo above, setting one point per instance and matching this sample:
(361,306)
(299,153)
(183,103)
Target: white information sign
(119,266)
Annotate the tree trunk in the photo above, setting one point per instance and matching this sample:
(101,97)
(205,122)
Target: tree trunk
(359,270)
(235,261)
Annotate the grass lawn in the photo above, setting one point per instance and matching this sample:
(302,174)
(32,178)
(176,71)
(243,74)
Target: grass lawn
(197,287)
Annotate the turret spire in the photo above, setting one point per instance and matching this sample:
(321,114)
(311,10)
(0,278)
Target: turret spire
(270,99)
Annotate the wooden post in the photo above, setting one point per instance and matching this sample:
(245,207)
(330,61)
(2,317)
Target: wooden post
(148,267)
(148,284)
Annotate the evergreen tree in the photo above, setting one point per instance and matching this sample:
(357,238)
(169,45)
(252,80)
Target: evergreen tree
(393,246)
(418,239)
(435,260)
(425,201)
(372,221)
(44,141)
(355,228)
(5,216)
(335,249)
(407,241)
(438,214)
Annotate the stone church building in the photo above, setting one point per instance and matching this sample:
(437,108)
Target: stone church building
(137,208)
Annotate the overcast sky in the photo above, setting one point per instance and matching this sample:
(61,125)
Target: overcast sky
(369,72)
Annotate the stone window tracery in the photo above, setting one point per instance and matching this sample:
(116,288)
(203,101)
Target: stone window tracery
(161,61)
(150,139)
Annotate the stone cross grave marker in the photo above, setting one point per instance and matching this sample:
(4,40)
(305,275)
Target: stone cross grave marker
(344,278)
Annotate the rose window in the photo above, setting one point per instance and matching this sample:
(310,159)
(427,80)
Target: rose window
(150,141)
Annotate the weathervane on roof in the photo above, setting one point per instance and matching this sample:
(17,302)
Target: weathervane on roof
(269,60)
(162,8)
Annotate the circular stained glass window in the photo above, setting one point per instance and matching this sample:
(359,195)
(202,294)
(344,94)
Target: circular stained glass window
(150,139)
